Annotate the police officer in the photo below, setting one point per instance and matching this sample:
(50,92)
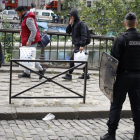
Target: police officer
(126,49)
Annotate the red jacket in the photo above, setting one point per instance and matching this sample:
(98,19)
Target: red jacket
(25,32)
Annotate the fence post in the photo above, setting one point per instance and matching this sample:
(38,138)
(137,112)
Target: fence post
(42,57)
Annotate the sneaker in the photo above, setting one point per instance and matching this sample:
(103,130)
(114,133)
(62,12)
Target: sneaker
(67,77)
(24,75)
(42,73)
(82,76)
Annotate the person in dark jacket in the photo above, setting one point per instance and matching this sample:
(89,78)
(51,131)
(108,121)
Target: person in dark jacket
(79,37)
(126,49)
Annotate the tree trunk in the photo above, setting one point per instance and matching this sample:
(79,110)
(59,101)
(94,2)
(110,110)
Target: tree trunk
(59,6)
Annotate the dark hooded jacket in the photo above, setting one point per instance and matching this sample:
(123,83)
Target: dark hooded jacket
(78,30)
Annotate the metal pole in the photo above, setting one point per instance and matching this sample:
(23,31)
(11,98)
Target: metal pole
(10,90)
(85,83)
(92,53)
(50,48)
(99,53)
(12,46)
(65,47)
(4,41)
(57,45)
(106,45)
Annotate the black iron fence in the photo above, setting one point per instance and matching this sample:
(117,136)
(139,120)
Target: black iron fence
(17,96)
(52,51)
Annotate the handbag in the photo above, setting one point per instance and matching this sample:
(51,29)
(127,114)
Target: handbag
(44,40)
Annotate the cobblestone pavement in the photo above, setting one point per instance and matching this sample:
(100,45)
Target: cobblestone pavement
(62,129)
(94,96)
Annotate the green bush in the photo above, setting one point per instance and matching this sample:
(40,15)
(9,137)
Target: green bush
(8,40)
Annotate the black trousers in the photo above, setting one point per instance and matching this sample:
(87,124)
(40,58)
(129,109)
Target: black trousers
(125,83)
(72,58)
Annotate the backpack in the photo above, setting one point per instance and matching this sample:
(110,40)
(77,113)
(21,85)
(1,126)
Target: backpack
(88,33)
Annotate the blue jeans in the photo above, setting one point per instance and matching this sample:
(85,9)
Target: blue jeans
(37,64)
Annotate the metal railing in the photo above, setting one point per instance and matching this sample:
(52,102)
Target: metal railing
(98,44)
(47,80)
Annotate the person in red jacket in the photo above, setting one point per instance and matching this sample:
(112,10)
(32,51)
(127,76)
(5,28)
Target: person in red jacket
(30,36)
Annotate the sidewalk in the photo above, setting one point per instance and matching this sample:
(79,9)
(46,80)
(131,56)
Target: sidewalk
(97,105)
(90,129)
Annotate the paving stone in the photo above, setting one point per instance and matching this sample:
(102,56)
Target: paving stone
(44,138)
(2,138)
(69,136)
(80,138)
(4,88)
(89,137)
(60,134)
(39,129)
(36,137)
(33,132)
(19,138)
(53,137)
(27,135)
(2,133)
(64,138)
(17,133)
(10,135)
(50,133)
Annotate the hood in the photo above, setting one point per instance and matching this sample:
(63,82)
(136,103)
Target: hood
(29,14)
(74,13)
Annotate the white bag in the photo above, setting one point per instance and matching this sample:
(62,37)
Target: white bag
(28,53)
(80,56)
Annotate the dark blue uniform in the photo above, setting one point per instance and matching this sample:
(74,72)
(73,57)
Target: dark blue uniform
(127,81)
(126,49)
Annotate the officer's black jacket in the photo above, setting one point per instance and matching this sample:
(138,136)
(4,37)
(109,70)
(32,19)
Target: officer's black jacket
(120,44)
(0,55)
(78,30)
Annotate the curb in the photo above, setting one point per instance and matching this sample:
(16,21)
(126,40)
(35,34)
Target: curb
(11,113)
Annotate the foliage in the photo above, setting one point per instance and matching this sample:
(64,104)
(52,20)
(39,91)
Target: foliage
(107,16)
(8,40)
(70,4)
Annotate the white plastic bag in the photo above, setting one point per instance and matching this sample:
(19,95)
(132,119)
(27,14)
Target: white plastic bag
(80,56)
(28,53)
(48,117)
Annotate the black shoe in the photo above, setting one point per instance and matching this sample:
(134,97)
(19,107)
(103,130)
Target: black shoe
(136,135)
(67,77)
(82,76)
(42,73)
(109,136)
(24,75)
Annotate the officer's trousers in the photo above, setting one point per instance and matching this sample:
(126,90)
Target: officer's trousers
(125,83)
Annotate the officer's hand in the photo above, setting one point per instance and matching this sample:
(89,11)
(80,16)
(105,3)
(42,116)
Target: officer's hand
(28,44)
(81,48)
